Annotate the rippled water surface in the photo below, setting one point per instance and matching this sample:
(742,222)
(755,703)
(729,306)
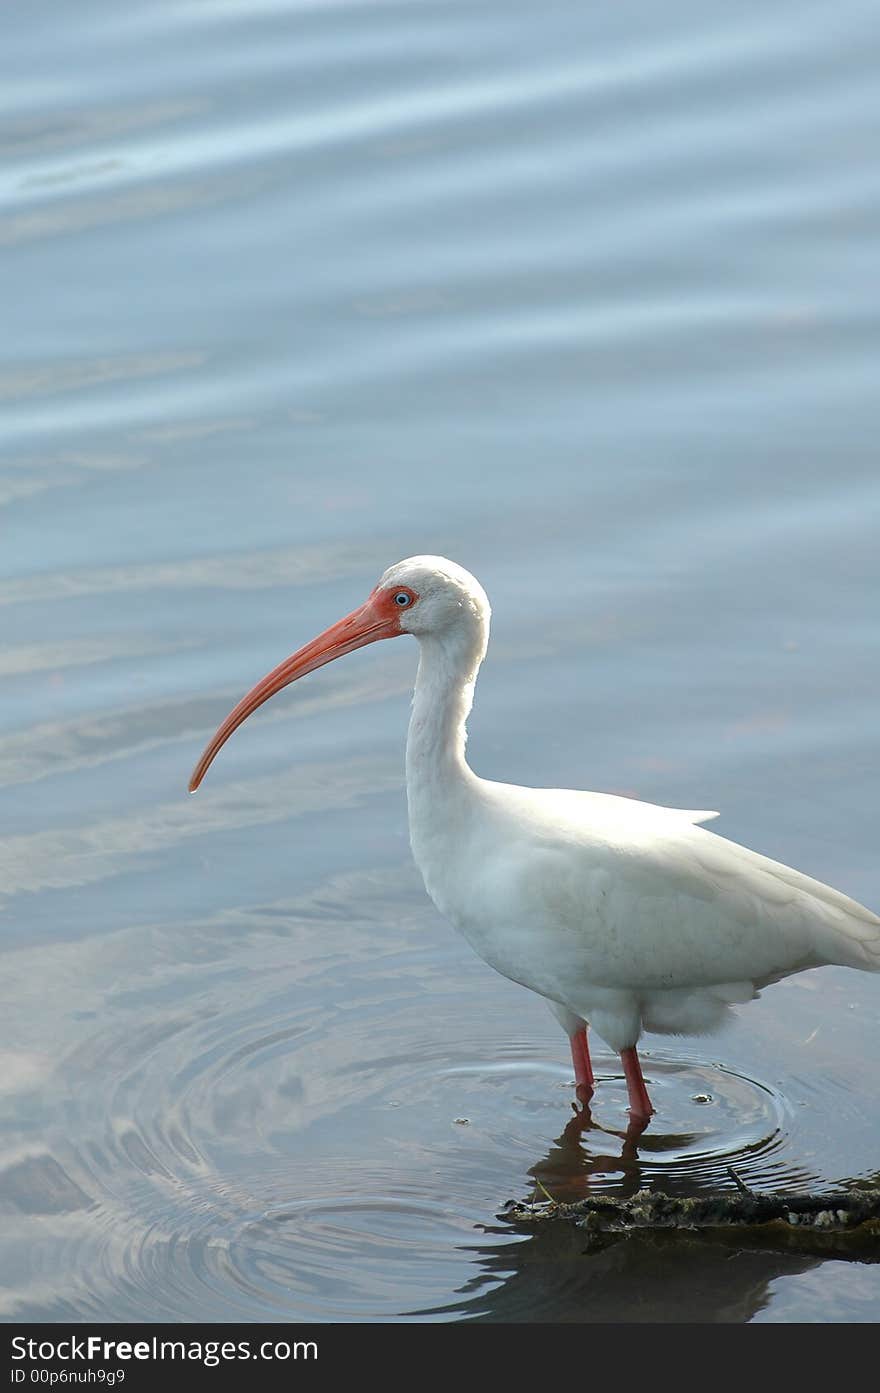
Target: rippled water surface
(584,297)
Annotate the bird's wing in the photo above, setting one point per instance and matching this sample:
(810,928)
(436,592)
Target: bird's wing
(845,932)
(752,914)
(649,898)
(584,805)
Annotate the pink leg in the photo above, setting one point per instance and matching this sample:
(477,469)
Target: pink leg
(580,1058)
(639,1102)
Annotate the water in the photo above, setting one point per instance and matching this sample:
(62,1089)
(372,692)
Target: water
(586,300)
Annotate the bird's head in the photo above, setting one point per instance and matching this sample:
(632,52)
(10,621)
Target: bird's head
(432,595)
(426,596)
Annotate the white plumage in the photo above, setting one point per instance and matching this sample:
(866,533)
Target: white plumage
(624,915)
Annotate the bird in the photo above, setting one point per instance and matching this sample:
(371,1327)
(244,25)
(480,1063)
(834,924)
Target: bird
(625,916)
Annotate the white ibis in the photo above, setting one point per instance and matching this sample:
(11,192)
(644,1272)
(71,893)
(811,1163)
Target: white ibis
(626,916)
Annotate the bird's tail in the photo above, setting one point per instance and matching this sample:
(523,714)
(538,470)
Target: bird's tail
(849,934)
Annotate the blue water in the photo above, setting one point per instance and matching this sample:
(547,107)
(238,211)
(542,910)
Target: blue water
(585,299)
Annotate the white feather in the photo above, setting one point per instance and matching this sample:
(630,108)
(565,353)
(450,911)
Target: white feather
(625,914)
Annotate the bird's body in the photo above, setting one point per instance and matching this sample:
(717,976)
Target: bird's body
(629,915)
(624,915)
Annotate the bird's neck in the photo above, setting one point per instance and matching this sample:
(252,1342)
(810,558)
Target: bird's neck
(439,783)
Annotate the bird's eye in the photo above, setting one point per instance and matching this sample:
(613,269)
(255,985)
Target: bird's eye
(402,598)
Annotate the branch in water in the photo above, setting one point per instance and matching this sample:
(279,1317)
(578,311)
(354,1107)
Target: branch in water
(843,1224)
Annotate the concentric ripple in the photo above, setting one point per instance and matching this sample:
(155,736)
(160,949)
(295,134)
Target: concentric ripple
(264,1155)
(709,1118)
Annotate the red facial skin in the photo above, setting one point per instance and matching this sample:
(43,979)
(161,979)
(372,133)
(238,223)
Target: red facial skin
(378,618)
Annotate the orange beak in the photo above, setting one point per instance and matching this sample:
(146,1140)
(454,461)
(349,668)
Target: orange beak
(374,620)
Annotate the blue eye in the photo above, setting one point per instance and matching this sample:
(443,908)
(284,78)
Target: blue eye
(401,598)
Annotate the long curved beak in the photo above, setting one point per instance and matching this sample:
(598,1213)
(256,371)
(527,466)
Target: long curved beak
(362,626)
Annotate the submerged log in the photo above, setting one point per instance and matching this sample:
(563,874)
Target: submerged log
(841,1224)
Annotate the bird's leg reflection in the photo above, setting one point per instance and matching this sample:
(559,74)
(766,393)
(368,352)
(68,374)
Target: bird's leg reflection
(583,1121)
(566,1172)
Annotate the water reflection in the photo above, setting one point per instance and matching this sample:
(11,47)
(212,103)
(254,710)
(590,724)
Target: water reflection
(550,1277)
(554,1274)
(645,1155)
